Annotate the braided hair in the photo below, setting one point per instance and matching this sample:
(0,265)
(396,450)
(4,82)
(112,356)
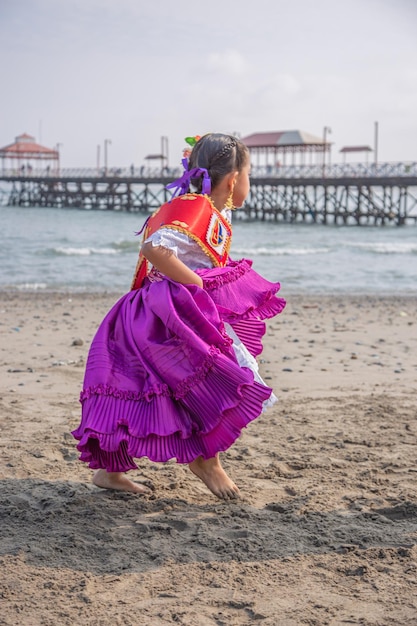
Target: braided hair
(219,154)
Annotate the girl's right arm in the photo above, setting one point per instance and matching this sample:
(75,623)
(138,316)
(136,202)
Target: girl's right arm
(168,264)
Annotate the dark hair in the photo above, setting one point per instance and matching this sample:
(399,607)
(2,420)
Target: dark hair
(219,154)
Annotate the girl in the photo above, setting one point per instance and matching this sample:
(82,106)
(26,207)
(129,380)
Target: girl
(171,372)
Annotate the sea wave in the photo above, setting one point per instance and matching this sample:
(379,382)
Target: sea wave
(30,286)
(86,251)
(251,252)
(126,246)
(400,247)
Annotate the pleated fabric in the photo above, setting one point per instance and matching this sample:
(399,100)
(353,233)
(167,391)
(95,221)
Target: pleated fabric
(243,299)
(162,380)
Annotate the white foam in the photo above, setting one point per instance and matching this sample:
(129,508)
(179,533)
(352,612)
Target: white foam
(83,251)
(400,247)
(279,251)
(31,286)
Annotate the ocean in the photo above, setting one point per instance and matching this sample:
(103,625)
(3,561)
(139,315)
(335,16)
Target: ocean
(73,250)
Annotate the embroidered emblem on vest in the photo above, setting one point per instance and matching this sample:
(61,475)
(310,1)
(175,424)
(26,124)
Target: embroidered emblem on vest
(216,235)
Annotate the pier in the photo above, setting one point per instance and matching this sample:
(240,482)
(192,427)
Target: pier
(318,192)
(359,193)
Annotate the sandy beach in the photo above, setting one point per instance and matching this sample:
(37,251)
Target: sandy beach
(325,532)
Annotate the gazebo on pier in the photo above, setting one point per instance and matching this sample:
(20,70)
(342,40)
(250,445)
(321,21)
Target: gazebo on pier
(354,150)
(288,147)
(25,155)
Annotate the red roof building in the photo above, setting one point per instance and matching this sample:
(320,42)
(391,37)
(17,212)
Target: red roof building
(277,145)
(25,150)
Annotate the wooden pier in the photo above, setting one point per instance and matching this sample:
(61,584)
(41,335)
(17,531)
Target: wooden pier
(361,201)
(339,194)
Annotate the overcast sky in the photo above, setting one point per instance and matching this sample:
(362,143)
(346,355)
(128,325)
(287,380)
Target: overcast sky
(77,72)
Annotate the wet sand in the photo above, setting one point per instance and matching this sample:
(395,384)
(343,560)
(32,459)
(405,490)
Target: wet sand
(325,532)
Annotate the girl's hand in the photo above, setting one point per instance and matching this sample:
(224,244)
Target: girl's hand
(168,264)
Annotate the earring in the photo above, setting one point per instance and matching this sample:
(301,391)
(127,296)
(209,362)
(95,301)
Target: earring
(229,202)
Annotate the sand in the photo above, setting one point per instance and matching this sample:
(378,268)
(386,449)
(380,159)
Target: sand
(325,532)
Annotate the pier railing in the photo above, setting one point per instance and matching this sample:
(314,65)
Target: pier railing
(336,170)
(342,193)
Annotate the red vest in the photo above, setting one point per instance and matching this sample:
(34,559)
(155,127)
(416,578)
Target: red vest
(196,216)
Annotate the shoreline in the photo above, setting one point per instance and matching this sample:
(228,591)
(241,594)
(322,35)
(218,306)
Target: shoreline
(297,293)
(325,532)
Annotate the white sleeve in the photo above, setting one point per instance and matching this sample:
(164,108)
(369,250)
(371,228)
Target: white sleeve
(170,239)
(184,248)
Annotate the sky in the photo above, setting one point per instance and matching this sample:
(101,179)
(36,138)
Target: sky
(76,73)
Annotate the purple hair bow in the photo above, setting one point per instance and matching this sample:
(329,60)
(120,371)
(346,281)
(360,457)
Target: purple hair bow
(182,184)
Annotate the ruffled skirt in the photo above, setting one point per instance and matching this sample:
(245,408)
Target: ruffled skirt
(163,379)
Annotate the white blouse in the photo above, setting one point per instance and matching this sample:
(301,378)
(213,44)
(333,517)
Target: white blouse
(183,246)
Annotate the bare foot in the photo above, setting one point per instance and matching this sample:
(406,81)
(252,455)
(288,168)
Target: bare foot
(117,480)
(214,477)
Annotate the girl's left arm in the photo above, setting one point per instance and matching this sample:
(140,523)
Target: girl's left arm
(168,264)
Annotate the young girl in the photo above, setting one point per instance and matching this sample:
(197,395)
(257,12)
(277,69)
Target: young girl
(171,372)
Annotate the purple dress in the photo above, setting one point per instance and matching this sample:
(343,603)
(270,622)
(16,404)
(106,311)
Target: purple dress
(163,379)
